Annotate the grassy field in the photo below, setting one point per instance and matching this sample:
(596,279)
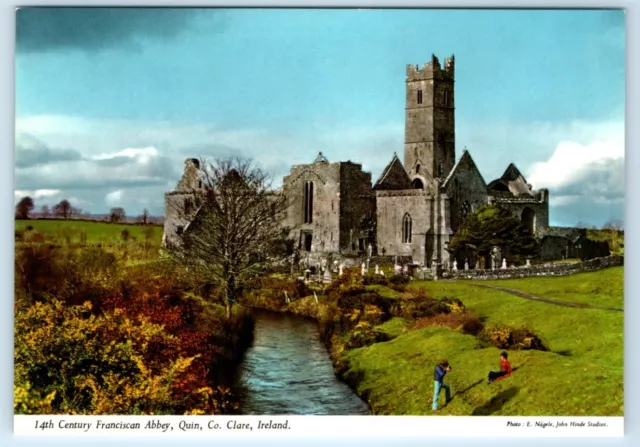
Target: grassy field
(600,288)
(581,375)
(97,232)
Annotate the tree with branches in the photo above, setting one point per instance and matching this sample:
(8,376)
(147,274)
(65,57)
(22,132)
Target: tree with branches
(235,229)
(144,217)
(24,207)
(116,215)
(44,212)
(62,209)
(492,225)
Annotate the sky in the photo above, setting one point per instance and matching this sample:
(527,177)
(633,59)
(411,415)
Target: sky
(110,102)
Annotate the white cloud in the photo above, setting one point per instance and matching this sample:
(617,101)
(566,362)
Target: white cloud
(37,194)
(582,163)
(114,198)
(142,155)
(574,162)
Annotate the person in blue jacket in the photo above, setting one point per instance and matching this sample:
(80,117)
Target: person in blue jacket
(439,373)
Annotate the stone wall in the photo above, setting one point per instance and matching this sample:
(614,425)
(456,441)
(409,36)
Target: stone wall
(357,208)
(538,270)
(325,225)
(466,188)
(391,208)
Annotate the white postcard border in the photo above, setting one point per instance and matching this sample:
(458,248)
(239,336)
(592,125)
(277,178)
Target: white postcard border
(319,426)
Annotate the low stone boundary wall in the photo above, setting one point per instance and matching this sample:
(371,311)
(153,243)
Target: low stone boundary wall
(538,270)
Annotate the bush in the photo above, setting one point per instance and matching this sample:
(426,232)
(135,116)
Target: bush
(413,308)
(471,325)
(505,337)
(364,334)
(399,282)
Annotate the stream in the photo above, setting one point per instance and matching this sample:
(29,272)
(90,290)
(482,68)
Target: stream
(288,371)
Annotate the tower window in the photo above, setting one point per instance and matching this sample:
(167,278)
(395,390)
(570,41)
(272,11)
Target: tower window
(406,229)
(308,202)
(446,97)
(418,168)
(419,96)
(439,168)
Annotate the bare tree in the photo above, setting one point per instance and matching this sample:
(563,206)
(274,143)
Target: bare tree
(74,213)
(235,226)
(144,217)
(45,212)
(24,207)
(613,224)
(116,215)
(62,209)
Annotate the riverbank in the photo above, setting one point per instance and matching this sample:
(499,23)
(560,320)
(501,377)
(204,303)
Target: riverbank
(386,351)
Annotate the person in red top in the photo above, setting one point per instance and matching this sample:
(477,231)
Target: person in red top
(505,369)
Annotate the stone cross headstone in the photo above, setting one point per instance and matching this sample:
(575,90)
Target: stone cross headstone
(377,269)
(363,267)
(466,264)
(369,250)
(504,263)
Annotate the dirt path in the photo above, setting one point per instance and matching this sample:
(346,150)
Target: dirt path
(528,296)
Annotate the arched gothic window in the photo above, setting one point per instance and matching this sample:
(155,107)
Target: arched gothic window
(308,202)
(406,229)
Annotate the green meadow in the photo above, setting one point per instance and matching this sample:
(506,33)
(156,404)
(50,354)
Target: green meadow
(582,374)
(96,232)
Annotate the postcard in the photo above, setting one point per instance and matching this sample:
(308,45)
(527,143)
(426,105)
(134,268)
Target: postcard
(230,221)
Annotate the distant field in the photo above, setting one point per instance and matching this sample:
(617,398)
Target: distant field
(97,232)
(600,288)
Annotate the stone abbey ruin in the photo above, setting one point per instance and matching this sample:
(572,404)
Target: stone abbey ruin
(412,211)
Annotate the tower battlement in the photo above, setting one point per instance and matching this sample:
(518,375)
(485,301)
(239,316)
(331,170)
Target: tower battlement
(432,70)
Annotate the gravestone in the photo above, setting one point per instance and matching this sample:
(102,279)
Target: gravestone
(327,276)
(369,251)
(528,263)
(377,269)
(340,267)
(466,264)
(455,266)
(363,267)
(504,263)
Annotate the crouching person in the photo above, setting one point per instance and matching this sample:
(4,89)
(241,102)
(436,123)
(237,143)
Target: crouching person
(438,384)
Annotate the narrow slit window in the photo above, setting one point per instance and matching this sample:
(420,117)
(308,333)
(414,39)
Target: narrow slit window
(406,229)
(419,96)
(308,202)
(446,97)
